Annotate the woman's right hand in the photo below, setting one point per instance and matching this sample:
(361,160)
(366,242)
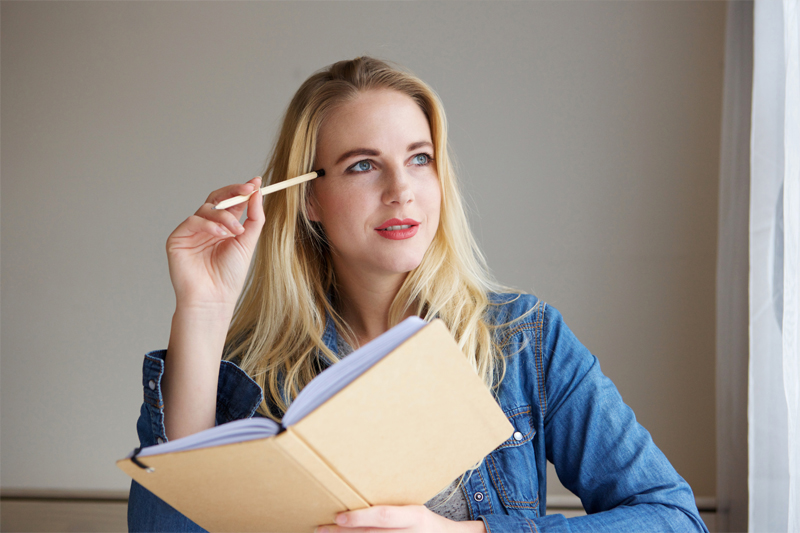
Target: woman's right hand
(209,253)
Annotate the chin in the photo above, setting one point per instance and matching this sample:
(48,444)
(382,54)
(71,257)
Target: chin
(402,266)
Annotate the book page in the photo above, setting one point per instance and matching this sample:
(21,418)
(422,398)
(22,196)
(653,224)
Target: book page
(236,431)
(336,377)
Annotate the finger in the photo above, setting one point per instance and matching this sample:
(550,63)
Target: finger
(254,221)
(343,529)
(223,217)
(380,516)
(255,207)
(197,224)
(250,190)
(229,191)
(232,191)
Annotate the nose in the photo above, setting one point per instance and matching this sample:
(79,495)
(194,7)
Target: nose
(397,186)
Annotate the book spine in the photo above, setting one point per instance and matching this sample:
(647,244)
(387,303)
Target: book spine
(293,446)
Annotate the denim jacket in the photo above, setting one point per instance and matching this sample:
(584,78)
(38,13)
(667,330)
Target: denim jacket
(563,409)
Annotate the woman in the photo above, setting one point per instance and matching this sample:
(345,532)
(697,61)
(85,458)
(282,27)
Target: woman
(380,237)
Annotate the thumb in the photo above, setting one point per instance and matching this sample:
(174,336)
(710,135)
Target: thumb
(255,217)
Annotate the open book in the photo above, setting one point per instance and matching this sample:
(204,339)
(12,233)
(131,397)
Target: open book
(393,423)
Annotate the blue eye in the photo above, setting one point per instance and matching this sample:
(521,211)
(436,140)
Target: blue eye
(361,166)
(421,159)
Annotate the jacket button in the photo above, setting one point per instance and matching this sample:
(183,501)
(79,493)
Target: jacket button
(478,496)
(160,440)
(517,435)
(151,384)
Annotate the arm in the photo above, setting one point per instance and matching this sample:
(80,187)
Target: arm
(238,396)
(582,426)
(209,254)
(405,518)
(601,453)
(191,369)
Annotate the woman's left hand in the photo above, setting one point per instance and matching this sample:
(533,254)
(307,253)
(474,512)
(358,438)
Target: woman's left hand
(391,518)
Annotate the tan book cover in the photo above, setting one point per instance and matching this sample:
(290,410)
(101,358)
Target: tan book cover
(398,434)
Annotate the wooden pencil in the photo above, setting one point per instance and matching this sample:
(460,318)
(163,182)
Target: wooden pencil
(236,200)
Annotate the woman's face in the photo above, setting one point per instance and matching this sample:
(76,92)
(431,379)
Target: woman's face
(379,200)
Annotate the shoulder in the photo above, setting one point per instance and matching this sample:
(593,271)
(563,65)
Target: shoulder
(543,356)
(512,313)
(523,324)
(507,307)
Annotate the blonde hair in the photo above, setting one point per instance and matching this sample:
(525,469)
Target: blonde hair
(276,334)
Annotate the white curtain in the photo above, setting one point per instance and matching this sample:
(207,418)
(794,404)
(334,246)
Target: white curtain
(774,367)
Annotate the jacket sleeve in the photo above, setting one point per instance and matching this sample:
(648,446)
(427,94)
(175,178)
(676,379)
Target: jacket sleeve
(238,396)
(600,452)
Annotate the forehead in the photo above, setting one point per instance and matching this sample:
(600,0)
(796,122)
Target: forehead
(374,119)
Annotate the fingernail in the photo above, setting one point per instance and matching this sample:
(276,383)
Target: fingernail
(222,231)
(321,530)
(341,519)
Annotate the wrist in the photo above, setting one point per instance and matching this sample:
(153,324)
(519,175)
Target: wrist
(204,312)
(474,526)
(199,332)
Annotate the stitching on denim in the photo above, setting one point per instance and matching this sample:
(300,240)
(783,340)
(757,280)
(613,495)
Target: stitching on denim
(162,426)
(537,326)
(485,492)
(532,523)
(527,523)
(154,398)
(510,442)
(486,524)
(521,327)
(149,355)
(154,402)
(511,413)
(498,483)
(539,358)
(495,474)
(159,429)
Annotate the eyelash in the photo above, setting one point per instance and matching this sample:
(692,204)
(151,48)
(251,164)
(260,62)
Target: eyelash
(428,156)
(351,168)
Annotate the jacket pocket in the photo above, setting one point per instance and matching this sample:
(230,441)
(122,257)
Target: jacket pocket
(512,466)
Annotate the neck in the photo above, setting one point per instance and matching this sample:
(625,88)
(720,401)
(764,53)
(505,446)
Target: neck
(365,301)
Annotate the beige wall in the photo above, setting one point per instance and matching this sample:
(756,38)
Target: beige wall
(587,136)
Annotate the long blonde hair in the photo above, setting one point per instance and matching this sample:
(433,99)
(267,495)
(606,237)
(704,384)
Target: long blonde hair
(276,334)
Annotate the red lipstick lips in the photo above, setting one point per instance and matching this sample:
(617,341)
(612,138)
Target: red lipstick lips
(396,229)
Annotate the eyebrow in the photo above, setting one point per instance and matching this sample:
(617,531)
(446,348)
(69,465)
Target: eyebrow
(375,153)
(357,151)
(419,144)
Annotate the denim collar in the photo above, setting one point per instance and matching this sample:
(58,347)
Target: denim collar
(330,336)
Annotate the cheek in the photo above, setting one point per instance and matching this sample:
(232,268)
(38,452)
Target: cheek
(345,210)
(332,202)
(433,198)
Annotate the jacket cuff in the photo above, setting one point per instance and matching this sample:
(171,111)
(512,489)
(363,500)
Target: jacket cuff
(151,421)
(238,396)
(496,523)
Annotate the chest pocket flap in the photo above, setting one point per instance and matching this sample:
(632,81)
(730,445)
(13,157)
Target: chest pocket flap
(512,466)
